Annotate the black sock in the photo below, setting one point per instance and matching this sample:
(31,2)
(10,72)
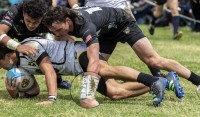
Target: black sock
(155,71)
(146,79)
(195,79)
(153,20)
(59,79)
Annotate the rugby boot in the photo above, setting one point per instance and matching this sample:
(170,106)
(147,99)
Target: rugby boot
(64,84)
(178,35)
(158,90)
(174,85)
(151,29)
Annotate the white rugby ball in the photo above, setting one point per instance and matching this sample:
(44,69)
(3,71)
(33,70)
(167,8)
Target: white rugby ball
(25,79)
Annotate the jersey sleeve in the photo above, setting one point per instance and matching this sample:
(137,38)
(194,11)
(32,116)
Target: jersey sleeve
(41,52)
(88,32)
(11,15)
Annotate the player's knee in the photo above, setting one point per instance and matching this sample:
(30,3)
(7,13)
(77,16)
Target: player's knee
(174,12)
(157,13)
(154,62)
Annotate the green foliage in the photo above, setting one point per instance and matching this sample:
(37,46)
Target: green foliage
(186,51)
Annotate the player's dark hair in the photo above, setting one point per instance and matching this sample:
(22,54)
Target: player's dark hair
(58,14)
(3,51)
(35,8)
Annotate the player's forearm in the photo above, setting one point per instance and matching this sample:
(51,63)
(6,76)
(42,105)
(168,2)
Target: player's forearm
(8,42)
(51,83)
(93,56)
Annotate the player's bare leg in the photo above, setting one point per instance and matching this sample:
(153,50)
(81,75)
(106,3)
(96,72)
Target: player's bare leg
(148,55)
(118,91)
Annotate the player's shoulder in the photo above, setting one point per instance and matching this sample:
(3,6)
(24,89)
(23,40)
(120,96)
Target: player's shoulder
(15,11)
(35,42)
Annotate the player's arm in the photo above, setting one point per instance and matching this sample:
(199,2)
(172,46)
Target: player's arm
(51,80)
(90,77)
(91,40)
(14,93)
(5,25)
(73,3)
(12,44)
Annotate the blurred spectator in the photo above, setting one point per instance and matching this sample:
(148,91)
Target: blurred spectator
(195,5)
(185,10)
(12,2)
(4,5)
(66,3)
(173,6)
(141,11)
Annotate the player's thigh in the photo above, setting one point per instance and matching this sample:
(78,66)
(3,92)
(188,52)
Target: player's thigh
(173,5)
(158,10)
(83,60)
(144,50)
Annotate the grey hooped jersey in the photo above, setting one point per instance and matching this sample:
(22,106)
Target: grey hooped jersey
(107,3)
(63,55)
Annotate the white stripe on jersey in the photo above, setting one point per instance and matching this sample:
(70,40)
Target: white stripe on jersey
(108,3)
(61,53)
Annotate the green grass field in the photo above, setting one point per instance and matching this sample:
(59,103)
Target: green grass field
(186,51)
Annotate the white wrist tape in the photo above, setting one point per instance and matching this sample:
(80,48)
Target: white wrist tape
(2,36)
(11,44)
(75,6)
(89,86)
(52,98)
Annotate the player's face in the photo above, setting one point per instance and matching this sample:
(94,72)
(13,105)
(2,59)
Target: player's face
(31,23)
(59,28)
(6,63)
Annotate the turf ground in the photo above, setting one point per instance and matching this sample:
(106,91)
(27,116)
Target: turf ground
(186,51)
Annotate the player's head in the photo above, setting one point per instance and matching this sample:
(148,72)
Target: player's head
(33,12)
(59,20)
(6,57)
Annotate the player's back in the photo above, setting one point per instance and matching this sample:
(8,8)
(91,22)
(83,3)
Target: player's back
(61,53)
(104,17)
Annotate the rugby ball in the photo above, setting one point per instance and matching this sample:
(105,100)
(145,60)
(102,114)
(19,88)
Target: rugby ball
(25,79)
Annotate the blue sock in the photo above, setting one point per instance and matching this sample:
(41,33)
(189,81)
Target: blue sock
(175,21)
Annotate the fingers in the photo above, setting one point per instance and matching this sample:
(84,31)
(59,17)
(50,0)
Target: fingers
(6,82)
(11,84)
(14,83)
(26,50)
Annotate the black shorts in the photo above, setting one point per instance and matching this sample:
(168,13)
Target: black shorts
(83,61)
(129,33)
(160,2)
